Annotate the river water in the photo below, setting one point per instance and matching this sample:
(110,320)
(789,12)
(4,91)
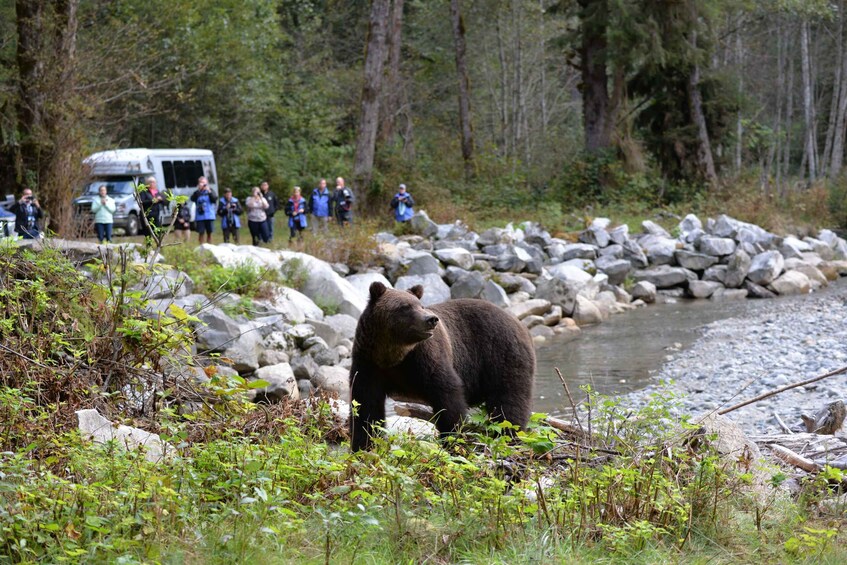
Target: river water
(623,353)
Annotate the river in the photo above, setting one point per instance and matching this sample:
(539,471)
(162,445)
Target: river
(623,353)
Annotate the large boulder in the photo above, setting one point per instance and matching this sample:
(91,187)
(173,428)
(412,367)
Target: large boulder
(658,249)
(469,284)
(292,305)
(716,246)
(586,312)
(577,251)
(664,276)
(455,256)
(169,283)
(494,293)
(361,282)
(435,289)
(737,268)
(766,267)
(98,429)
(558,292)
(616,269)
(645,291)
(694,261)
(596,236)
(532,307)
(791,282)
(816,276)
(653,228)
(216,330)
(793,247)
(422,225)
(703,289)
(569,273)
(335,380)
(633,253)
(323,285)
(281,384)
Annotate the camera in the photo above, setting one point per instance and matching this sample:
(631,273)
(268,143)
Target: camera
(29,198)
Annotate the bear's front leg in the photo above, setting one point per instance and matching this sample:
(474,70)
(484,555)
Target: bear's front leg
(447,398)
(367,409)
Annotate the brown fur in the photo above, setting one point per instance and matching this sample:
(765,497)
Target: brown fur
(453,355)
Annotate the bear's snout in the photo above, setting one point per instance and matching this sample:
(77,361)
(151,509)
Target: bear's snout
(431,321)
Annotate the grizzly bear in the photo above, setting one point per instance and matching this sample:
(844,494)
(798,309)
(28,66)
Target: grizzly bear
(453,355)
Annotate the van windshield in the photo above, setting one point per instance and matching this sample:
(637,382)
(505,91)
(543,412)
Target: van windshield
(114,185)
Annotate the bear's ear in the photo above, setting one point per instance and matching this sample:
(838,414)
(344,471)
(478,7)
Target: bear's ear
(417,290)
(377,289)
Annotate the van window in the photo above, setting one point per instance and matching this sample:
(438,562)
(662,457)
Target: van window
(168,169)
(187,173)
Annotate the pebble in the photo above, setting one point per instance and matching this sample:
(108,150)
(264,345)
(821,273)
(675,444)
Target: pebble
(735,359)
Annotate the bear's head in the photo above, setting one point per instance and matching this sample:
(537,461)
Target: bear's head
(401,314)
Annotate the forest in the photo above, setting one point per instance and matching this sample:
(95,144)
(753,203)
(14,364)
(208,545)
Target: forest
(486,104)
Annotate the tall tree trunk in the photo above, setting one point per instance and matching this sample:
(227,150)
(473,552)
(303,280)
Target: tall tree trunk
(789,112)
(46,120)
(739,125)
(464,88)
(837,158)
(392,97)
(542,47)
(372,85)
(826,158)
(808,103)
(596,109)
(705,161)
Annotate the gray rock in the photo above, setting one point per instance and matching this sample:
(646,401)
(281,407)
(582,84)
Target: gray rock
(653,228)
(716,273)
(435,290)
(272,357)
(614,250)
(569,273)
(422,225)
(217,329)
(644,290)
(757,291)
(553,316)
(535,235)
(335,380)
(305,388)
(658,249)
(578,251)
(292,305)
(303,366)
(820,247)
(725,226)
(690,223)
(536,257)
(532,320)
(793,247)
(716,246)
(343,325)
(595,236)
(765,267)
(664,276)
(340,268)
(324,286)
(816,278)
(729,294)
(511,282)
(541,332)
(170,283)
(619,234)
(469,285)
(494,293)
(586,312)
(694,261)
(298,334)
(361,282)
(96,428)
(535,306)
(493,236)
(703,289)
(791,282)
(281,384)
(616,269)
(455,256)
(558,292)
(415,263)
(633,253)
(737,269)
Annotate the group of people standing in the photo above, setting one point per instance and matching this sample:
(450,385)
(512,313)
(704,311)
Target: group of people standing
(261,207)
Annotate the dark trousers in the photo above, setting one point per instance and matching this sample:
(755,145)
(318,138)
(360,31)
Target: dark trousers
(259,231)
(270,226)
(230,231)
(104,232)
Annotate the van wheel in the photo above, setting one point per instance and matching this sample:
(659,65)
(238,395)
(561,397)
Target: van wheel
(132,224)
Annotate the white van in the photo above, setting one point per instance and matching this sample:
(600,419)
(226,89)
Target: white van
(176,170)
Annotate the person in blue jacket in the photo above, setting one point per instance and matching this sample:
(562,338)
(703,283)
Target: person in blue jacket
(295,209)
(229,209)
(402,204)
(204,212)
(27,213)
(319,206)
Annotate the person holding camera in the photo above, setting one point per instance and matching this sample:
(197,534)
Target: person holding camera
(27,212)
(153,205)
(229,209)
(257,217)
(204,212)
(182,222)
(104,214)
(295,209)
(402,204)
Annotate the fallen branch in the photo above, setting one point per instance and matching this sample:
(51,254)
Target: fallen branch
(840,371)
(795,459)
